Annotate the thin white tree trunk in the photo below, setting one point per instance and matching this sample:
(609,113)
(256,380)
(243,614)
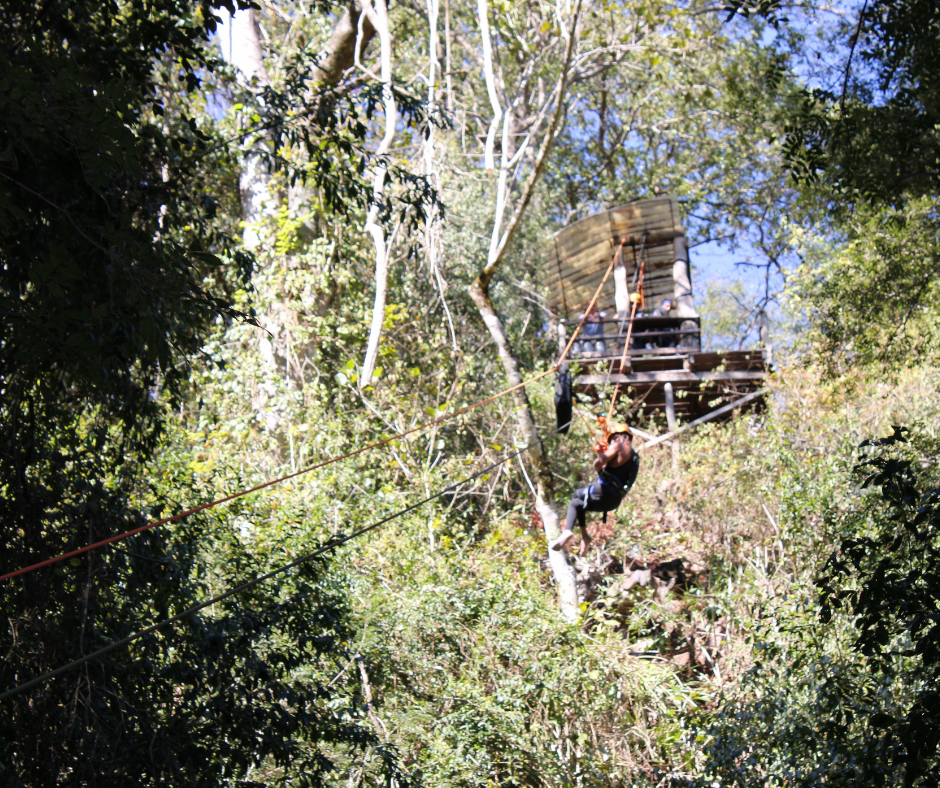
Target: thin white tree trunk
(479,291)
(240,42)
(447,65)
(432,224)
(488,157)
(239,38)
(544,493)
(380,21)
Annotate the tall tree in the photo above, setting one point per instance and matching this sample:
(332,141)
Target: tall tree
(512,138)
(109,236)
(552,112)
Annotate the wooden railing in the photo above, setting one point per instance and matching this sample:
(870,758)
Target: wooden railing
(651,336)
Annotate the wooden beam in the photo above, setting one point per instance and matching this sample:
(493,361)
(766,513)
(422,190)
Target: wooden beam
(667,376)
(621,289)
(670,408)
(671,423)
(642,433)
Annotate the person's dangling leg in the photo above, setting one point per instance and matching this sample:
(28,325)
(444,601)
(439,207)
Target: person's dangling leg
(575,514)
(585,542)
(597,498)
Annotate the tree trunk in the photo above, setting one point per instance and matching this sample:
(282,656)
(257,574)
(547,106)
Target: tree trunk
(346,45)
(379,237)
(479,291)
(240,42)
(241,46)
(544,487)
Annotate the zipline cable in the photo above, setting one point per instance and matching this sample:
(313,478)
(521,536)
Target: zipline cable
(332,544)
(626,343)
(268,483)
(620,322)
(591,303)
(322,464)
(315,466)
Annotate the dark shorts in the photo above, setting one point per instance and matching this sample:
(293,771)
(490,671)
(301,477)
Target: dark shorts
(594,497)
(598,497)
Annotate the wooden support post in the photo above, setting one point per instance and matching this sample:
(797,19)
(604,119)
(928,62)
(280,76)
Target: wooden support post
(707,417)
(764,329)
(621,289)
(672,424)
(562,343)
(622,302)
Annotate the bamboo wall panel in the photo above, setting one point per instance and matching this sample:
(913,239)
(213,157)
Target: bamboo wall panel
(581,253)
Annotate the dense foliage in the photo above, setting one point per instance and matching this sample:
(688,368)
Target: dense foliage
(149,363)
(109,229)
(890,579)
(871,298)
(849,698)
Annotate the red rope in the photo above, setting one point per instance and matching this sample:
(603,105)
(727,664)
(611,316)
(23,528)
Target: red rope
(332,544)
(626,343)
(587,311)
(324,463)
(226,499)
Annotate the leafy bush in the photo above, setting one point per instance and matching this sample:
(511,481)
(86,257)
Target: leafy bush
(845,693)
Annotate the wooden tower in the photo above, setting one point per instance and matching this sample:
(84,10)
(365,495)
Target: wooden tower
(664,367)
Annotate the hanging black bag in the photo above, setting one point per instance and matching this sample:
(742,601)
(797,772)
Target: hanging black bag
(563,396)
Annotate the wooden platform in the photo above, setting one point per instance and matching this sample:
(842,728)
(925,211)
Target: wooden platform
(663,349)
(701,381)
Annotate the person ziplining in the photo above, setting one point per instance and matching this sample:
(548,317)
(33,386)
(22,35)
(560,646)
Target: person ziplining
(616,464)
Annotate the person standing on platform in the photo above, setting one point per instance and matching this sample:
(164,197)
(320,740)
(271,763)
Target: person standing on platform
(594,333)
(667,338)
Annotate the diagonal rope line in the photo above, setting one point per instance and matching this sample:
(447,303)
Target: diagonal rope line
(619,322)
(270,482)
(332,544)
(308,469)
(574,334)
(626,344)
